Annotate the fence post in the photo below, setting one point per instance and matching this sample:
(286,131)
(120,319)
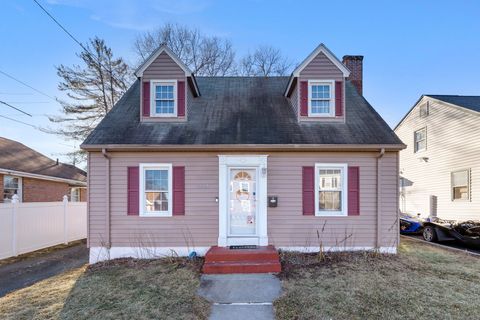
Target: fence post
(65,219)
(15,201)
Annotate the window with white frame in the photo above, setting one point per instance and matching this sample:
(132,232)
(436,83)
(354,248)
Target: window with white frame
(420,139)
(331,189)
(164,102)
(156,189)
(460,185)
(74,194)
(321,100)
(11,186)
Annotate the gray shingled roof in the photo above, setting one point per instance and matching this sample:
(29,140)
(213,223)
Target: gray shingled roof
(469,102)
(18,157)
(241,110)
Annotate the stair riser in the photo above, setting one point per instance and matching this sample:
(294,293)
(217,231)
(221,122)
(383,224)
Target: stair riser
(241,257)
(225,269)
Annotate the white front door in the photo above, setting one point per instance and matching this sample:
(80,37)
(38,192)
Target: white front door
(242,200)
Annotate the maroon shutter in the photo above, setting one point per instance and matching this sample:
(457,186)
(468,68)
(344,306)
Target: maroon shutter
(178,190)
(146,99)
(181,98)
(308,191)
(338,98)
(133,183)
(304,98)
(353,191)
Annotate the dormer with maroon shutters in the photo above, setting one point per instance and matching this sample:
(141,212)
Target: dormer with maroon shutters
(166,86)
(316,89)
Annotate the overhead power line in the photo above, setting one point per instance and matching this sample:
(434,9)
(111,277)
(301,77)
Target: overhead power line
(76,40)
(27,85)
(18,109)
(27,124)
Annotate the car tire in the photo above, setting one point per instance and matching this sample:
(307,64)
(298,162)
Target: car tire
(430,234)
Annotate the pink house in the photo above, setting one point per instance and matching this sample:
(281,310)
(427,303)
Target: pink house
(185,163)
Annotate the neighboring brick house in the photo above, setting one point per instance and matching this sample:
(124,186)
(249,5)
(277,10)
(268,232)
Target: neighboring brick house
(37,178)
(188,163)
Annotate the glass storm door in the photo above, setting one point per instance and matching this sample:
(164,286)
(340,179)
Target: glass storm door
(242,202)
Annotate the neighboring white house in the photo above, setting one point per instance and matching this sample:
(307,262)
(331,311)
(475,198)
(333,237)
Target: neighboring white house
(440,168)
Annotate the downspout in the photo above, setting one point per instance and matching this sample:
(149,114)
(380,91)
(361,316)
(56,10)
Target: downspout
(379,198)
(107,243)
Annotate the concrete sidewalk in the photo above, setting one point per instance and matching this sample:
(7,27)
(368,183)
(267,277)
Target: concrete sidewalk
(24,273)
(241,296)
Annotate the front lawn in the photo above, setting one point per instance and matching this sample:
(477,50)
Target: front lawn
(121,289)
(421,282)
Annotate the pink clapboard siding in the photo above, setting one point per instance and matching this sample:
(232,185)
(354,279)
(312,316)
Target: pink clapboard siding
(287,225)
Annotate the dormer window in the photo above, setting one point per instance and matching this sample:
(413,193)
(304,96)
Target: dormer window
(164,95)
(321,99)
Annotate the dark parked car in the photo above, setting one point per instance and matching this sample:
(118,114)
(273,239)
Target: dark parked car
(410,224)
(465,232)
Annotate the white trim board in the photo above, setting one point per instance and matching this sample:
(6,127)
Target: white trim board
(97,254)
(310,249)
(41,177)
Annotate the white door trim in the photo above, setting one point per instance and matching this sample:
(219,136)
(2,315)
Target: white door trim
(224,163)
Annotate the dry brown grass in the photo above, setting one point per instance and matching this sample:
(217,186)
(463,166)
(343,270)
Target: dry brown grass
(122,289)
(421,282)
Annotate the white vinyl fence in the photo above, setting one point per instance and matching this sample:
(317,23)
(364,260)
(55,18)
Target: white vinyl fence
(26,227)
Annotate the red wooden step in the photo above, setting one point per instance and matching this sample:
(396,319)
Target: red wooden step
(225,254)
(222,260)
(225,267)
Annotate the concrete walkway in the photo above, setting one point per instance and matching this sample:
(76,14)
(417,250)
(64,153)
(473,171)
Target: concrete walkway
(24,273)
(241,296)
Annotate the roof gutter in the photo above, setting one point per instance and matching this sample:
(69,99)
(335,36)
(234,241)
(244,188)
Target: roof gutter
(244,147)
(42,177)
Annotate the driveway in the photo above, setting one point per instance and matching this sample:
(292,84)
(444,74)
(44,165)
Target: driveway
(26,272)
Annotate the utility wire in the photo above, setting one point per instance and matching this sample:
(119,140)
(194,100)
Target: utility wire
(18,109)
(77,41)
(27,124)
(27,85)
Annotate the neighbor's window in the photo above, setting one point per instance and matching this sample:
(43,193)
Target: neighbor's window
(321,102)
(75,195)
(424,109)
(156,195)
(331,189)
(11,185)
(461,185)
(420,139)
(164,103)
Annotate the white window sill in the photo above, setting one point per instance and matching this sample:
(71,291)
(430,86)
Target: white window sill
(331,214)
(155,214)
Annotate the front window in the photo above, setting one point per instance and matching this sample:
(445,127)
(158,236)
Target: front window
(11,186)
(164,102)
(420,139)
(331,189)
(156,195)
(321,102)
(461,185)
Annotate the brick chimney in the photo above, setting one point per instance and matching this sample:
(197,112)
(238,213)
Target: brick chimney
(355,65)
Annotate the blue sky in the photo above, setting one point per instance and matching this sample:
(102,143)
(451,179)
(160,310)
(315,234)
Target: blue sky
(410,47)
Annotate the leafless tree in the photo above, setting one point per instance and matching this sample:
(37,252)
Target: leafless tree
(92,90)
(265,61)
(204,55)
